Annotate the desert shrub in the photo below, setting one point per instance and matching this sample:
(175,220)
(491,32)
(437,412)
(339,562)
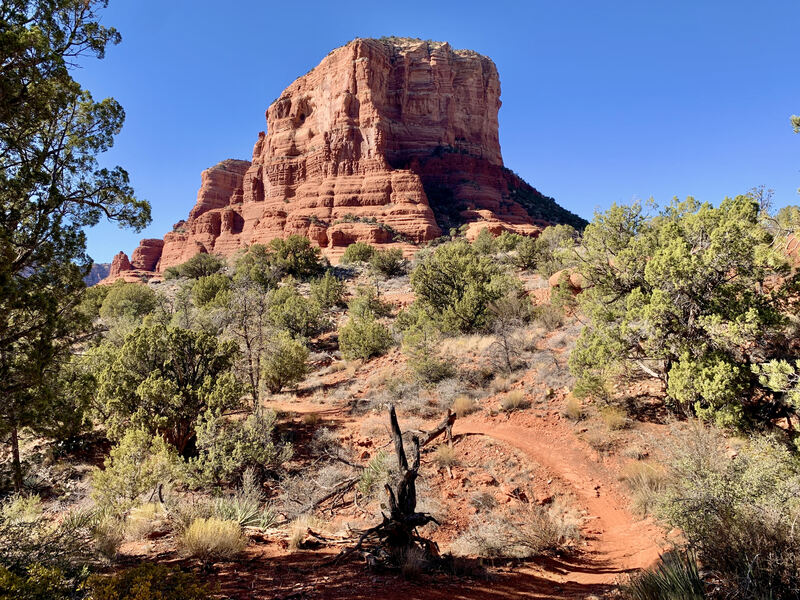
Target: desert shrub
(374,475)
(163,379)
(108,531)
(212,540)
(38,582)
(527,532)
(548,316)
(364,337)
(573,408)
(244,505)
(200,265)
(255,265)
(358,252)
(421,343)
(388,263)
(298,529)
(647,481)
(327,291)
(562,296)
(528,254)
(39,553)
(211,289)
(135,466)
(92,299)
(285,362)
(130,301)
(675,577)
(227,447)
(592,387)
(446,456)
(614,417)
(455,284)
(737,514)
(367,303)
(513,400)
(484,242)
(508,241)
(144,519)
(147,581)
(295,313)
(464,405)
(296,257)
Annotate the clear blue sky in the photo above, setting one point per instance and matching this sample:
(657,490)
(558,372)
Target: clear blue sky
(602,101)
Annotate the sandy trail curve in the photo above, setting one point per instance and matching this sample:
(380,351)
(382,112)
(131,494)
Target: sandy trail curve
(617,542)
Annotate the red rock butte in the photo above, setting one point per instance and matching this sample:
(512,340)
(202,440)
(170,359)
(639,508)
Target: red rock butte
(390,141)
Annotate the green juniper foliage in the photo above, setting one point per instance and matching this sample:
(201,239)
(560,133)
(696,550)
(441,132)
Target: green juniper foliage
(696,296)
(51,188)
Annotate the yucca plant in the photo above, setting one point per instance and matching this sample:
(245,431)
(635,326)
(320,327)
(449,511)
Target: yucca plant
(675,577)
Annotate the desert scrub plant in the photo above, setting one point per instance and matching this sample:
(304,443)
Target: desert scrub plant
(147,581)
(446,456)
(38,583)
(358,252)
(527,532)
(464,405)
(573,408)
(135,466)
(674,577)
(298,529)
(244,505)
(647,481)
(212,540)
(548,316)
(374,475)
(514,400)
(327,291)
(364,337)
(145,519)
(227,447)
(388,263)
(285,362)
(108,531)
(737,514)
(614,417)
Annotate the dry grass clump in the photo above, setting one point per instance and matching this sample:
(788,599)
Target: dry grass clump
(108,533)
(527,532)
(413,564)
(513,400)
(311,419)
(211,540)
(446,456)
(299,528)
(614,417)
(464,405)
(500,384)
(647,481)
(599,440)
(144,520)
(573,409)
(466,344)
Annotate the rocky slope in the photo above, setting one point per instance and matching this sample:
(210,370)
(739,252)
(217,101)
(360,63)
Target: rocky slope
(389,141)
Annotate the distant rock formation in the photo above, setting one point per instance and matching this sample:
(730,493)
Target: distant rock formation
(389,141)
(98,272)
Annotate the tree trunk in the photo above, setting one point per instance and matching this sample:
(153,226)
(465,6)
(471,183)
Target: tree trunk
(15,461)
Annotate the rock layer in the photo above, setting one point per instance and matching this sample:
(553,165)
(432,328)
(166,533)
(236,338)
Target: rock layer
(389,141)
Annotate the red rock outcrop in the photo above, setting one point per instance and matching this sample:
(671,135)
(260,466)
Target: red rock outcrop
(388,141)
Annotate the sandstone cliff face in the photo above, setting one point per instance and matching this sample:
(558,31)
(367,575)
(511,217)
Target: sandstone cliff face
(386,141)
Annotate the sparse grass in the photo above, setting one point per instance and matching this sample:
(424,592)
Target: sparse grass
(614,417)
(446,456)
(599,440)
(514,400)
(499,384)
(464,405)
(108,533)
(144,520)
(211,540)
(299,528)
(483,501)
(647,481)
(529,531)
(413,564)
(573,409)
(466,344)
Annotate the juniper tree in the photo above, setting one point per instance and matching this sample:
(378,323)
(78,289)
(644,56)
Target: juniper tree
(51,188)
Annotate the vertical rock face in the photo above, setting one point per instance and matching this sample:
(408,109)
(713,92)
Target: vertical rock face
(388,141)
